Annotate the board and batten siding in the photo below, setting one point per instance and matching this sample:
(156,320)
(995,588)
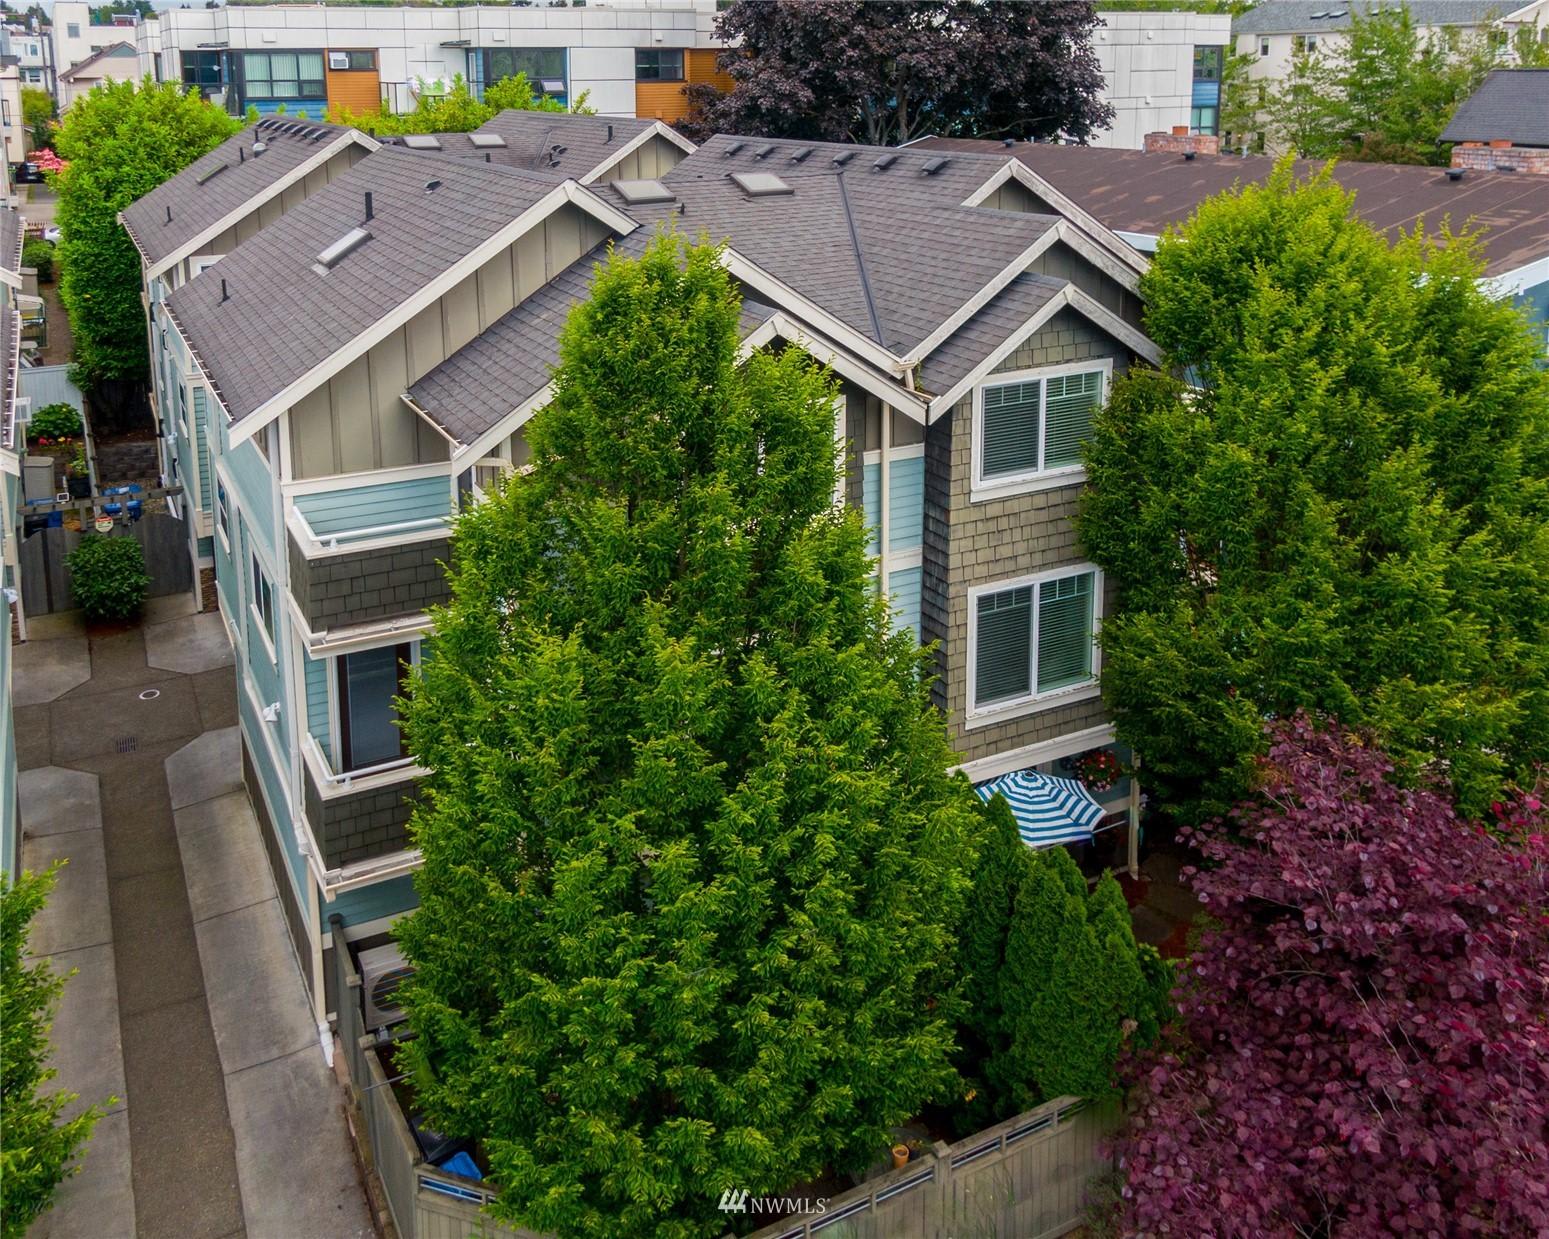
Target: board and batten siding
(386,503)
(357,421)
(201,416)
(969,544)
(653,158)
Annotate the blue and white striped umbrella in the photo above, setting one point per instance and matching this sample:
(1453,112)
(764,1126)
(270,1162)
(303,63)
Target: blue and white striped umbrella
(1048,809)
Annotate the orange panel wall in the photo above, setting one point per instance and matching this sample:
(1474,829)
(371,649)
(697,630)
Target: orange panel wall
(665,100)
(359,90)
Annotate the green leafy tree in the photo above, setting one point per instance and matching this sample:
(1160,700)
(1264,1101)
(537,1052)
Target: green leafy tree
(1530,47)
(1239,124)
(121,141)
(1386,94)
(1073,988)
(36,1144)
(692,861)
(38,112)
(1348,512)
(457,111)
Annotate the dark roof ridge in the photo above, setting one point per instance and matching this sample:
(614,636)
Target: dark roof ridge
(860,259)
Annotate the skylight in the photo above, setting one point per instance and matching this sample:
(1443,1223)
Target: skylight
(340,250)
(760,184)
(486,139)
(638,193)
(205,177)
(422,142)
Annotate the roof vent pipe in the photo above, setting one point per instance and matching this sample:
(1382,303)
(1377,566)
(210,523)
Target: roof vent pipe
(169,212)
(1454,175)
(1008,142)
(609,138)
(1189,155)
(486,156)
(370,214)
(241,154)
(225,296)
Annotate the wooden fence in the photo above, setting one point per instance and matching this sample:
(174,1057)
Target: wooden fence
(45,581)
(1025,1178)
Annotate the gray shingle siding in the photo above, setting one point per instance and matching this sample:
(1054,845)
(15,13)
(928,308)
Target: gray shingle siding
(341,590)
(360,826)
(970,544)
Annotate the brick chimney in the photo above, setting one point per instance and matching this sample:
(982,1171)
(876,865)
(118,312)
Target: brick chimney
(1183,143)
(1501,157)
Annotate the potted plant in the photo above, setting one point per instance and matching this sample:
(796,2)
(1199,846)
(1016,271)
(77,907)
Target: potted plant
(78,475)
(1098,769)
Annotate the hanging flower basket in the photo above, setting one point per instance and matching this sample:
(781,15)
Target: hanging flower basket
(1098,769)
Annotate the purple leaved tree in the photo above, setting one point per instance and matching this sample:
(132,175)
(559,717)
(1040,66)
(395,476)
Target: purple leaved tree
(1361,1044)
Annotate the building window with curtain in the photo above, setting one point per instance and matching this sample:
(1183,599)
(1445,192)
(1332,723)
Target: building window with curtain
(1032,640)
(1029,427)
(369,681)
(284,77)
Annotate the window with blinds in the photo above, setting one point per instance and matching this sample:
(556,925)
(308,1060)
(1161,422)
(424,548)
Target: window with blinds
(1036,425)
(1033,639)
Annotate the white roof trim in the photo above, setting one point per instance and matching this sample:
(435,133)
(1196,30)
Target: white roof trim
(566,192)
(885,387)
(1009,345)
(232,218)
(656,130)
(784,296)
(1020,172)
(994,766)
(507,425)
(1518,280)
(1115,326)
(982,298)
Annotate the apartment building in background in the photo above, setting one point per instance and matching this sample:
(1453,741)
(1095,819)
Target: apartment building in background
(1161,70)
(337,388)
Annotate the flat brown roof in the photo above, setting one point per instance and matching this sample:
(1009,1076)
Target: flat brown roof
(1138,191)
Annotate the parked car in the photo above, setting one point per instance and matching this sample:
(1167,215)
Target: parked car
(51,234)
(29,174)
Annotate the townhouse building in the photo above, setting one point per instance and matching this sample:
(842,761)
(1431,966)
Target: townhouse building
(12,231)
(360,368)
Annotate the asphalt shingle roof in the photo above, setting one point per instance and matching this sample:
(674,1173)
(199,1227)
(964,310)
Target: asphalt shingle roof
(1296,16)
(283,318)
(11,240)
(1140,191)
(247,180)
(589,143)
(499,371)
(982,334)
(890,252)
(1510,104)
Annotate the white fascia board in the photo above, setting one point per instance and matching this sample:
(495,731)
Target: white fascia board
(566,192)
(370,872)
(1517,281)
(992,767)
(1009,345)
(429,421)
(982,298)
(1138,341)
(885,387)
(783,296)
(1144,242)
(1088,222)
(323,154)
(656,130)
(589,201)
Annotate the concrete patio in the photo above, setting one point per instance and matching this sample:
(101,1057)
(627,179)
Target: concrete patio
(187,1006)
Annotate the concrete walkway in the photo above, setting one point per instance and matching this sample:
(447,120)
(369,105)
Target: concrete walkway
(188,1005)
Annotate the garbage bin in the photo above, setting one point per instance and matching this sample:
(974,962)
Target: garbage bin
(38,480)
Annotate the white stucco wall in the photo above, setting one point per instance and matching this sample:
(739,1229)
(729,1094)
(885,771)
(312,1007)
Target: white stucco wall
(1148,66)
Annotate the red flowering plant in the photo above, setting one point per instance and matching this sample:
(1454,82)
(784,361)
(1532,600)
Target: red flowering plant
(1361,1045)
(1098,769)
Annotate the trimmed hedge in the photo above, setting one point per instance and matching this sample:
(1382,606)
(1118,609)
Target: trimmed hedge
(108,577)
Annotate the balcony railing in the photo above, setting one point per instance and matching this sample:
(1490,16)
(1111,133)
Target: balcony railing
(358,815)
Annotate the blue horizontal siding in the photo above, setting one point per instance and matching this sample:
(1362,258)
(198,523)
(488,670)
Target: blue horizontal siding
(316,672)
(202,438)
(871,510)
(372,903)
(273,781)
(906,511)
(903,587)
(388,503)
(255,492)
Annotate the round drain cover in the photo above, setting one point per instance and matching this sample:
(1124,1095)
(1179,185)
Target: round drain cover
(150,694)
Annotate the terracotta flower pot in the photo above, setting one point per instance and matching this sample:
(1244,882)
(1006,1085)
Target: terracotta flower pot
(900,1156)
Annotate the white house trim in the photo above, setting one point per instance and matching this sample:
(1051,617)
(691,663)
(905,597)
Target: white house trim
(568,192)
(1517,281)
(657,130)
(1115,326)
(1088,222)
(1009,345)
(982,769)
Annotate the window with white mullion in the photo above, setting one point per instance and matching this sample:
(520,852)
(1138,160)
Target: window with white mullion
(1034,425)
(1032,639)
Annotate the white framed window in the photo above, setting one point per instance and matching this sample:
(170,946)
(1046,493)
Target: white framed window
(262,603)
(1032,642)
(222,514)
(1029,425)
(1263,47)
